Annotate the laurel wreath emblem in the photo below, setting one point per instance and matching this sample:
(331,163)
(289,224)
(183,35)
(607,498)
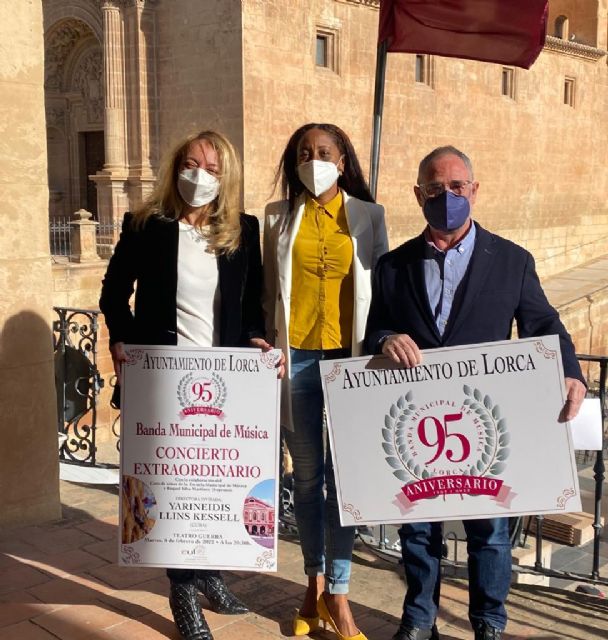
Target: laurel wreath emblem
(495,451)
(394,444)
(493,456)
(186,381)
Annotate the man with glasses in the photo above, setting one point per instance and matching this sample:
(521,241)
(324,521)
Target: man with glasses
(456,284)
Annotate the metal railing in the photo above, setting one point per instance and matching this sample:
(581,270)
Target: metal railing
(598,476)
(77,383)
(60,236)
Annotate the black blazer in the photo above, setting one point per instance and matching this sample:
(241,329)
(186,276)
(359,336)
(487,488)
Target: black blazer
(501,285)
(148,256)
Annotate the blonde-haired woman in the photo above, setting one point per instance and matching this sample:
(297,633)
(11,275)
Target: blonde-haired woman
(197,264)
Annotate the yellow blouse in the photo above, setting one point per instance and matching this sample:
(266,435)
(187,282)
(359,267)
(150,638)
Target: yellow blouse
(322,291)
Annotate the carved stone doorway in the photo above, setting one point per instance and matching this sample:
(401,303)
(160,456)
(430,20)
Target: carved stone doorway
(74,102)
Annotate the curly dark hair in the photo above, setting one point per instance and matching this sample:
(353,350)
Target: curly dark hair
(351,180)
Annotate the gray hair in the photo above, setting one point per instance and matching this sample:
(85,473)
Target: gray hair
(426,162)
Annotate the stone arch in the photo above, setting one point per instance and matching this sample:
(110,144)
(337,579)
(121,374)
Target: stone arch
(84,11)
(562,27)
(60,42)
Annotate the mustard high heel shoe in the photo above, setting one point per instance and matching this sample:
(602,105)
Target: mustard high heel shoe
(327,619)
(303,626)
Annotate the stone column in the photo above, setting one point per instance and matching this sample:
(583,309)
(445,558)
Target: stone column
(113,76)
(29,465)
(142,99)
(112,199)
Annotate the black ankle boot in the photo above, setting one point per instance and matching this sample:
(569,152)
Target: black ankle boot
(221,599)
(483,631)
(186,610)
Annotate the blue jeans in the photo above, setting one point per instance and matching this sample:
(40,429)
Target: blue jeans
(489,550)
(326,546)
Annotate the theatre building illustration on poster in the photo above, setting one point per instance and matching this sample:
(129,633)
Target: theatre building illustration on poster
(258,518)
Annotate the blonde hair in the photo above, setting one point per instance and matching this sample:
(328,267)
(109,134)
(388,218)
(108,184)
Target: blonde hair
(223,214)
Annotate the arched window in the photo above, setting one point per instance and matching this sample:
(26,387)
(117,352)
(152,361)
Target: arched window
(562,27)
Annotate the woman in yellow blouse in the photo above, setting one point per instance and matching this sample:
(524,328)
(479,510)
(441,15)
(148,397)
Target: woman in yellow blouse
(320,246)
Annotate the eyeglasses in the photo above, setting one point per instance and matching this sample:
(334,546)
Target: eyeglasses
(434,189)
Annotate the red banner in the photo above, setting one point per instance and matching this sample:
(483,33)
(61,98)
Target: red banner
(497,31)
(449,485)
(208,411)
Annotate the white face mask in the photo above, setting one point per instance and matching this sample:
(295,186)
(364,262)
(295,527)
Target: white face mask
(318,176)
(197,187)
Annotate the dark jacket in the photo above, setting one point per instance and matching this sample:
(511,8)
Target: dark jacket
(148,257)
(501,285)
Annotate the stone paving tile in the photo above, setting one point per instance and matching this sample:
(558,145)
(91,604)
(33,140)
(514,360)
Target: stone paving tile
(26,631)
(65,564)
(386,632)
(149,627)
(8,562)
(77,589)
(63,539)
(80,621)
(123,577)
(243,629)
(277,619)
(15,549)
(11,597)
(16,606)
(20,577)
(139,630)
(369,624)
(107,549)
(85,501)
(217,621)
(264,591)
(99,529)
(138,600)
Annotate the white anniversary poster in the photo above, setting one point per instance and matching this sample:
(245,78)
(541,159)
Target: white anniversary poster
(472,432)
(199,458)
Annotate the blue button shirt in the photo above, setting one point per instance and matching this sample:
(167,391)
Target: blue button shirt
(443,272)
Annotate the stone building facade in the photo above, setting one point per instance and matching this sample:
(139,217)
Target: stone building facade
(115,83)
(125,79)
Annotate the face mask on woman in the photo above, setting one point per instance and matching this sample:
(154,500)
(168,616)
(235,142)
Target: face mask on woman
(318,176)
(197,187)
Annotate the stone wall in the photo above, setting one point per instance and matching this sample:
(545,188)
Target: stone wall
(587,323)
(283,88)
(29,482)
(541,163)
(199,69)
